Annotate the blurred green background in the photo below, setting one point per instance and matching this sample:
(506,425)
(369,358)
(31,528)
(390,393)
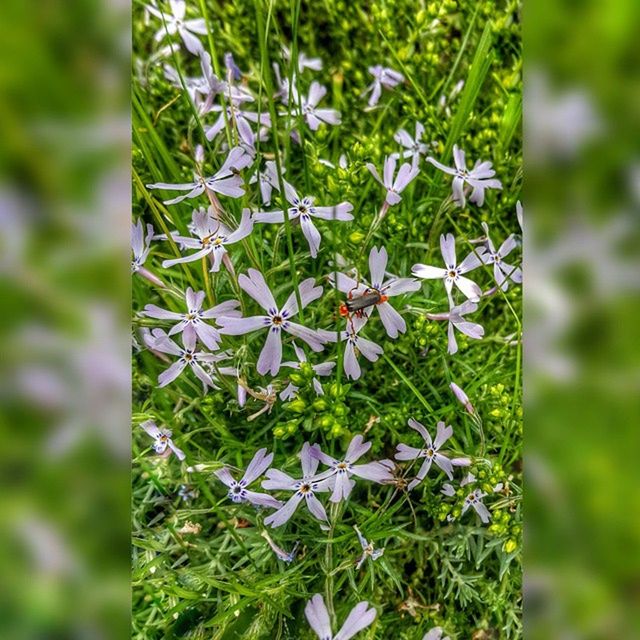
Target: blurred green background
(64,207)
(582,371)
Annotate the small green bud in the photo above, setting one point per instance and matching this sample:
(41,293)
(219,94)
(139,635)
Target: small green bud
(319,404)
(279,432)
(298,405)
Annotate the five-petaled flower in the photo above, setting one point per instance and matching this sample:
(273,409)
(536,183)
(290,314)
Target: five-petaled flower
(394,187)
(455,317)
(360,617)
(414,147)
(268,180)
(238,491)
(368,550)
(140,244)
(479,178)
(163,444)
(238,118)
(382,77)
(192,323)
(313,115)
(304,62)
(303,210)
(474,499)
(502,271)
(431,451)
(355,345)
(158,340)
(278,319)
(385,288)
(226,180)
(320,369)
(340,471)
(304,489)
(212,237)
(175,22)
(452,272)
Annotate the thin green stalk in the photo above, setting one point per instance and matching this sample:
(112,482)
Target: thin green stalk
(265,73)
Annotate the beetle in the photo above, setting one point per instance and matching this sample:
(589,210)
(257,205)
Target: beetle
(357,305)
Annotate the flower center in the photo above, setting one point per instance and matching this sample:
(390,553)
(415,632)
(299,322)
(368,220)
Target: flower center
(277,320)
(305,488)
(453,273)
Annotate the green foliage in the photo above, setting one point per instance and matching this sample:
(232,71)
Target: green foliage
(201,568)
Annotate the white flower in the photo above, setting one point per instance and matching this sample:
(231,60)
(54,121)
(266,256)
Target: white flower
(452,273)
(163,444)
(479,178)
(175,22)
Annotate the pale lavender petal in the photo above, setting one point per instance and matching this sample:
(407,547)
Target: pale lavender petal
(374,471)
(277,479)
(317,387)
(318,617)
(315,507)
(393,322)
(507,246)
(308,461)
(240,326)
(427,272)
(482,511)
(316,93)
(244,228)
(398,286)
(402,137)
(459,158)
(442,167)
(329,116)
(289,392)
(225,476)
(471,329)
(308,293)
(357,448)
(151,428)
(342,488)
(375,94)
(282,515)
(269,216)
(226,309)
(370,350)
(445,464)
(457,187)
(351,364)
(452,343)
(190,258)
(208,335)
(258,465)
(359,618)
(271,354)
(170,374)
(311,234)
(262,500)
(443,434)
(414,424)
(203,375)
(448,249)
(345,283)
(311,337)
(374,173)
(378,259)
(179,452)
(255,285)
(405,175)
(405,452)
(341,211)
(470,289)
(389,170)
(424,470)
(472,261)
(153,311)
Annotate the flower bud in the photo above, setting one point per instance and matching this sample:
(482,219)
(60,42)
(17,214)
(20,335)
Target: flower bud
(298,405)
(319,404)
